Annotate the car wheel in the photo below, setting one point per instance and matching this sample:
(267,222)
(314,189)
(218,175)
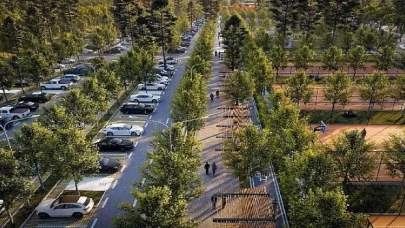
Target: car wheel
(154,101)
(63,88)
(143,88)
(43,215)
(16,117)
(125,112)
(136,101)
(134,134)
(43,88)
(77,215)
(122,149)
(110,134)
(159,88)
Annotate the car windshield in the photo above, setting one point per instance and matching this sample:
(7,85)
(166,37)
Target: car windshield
(116,140)
(54,203)
(127,126)
(86,202)
(104,161)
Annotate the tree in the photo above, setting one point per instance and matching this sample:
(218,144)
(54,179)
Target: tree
(6,78)
(247,153)
(56,117)
(124,13)
(13,184)
(395,157)
(34,148)
(346,41)
(80,107)
(384,58)
(144,66)
(75,158)
(357,59)
(299,88)
(17,66)
(284,12)
(96,92)
(234,35)
(239,86)
(338,89)
(156,207)
(109,81)
(351,157)
(279,58)
(264,40)
(333,58)
(302,57)
(308,14)
(98,41)
(38,67)
(398,90)
(11,34)
(373,89)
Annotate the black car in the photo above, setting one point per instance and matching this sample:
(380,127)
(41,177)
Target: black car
(32,106)
(109,165)
(35,97)
(112,144)
(135,108)
(178,50)
(4,121)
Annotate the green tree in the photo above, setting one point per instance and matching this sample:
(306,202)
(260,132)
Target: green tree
(357,58)
(395,157)
(351,157)
(279,58)
(7,78)
(309,15)
(56,117)
(144,66)
(285,13)
(239,86)
(124,13)
(80,107)
(75,158)
(302,57)
(384,58)
(109,81)
(13,184)
(347,41)
(299,88)
(34,148)
(156,207)
(11,34)
(398,90)
(373,89)
(338,89)
(247,153)
(332,58)
(96,92)
(98,41)
(38,67)
(234,35)
(264,40)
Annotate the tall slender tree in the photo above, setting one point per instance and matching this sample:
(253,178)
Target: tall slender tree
(299,88)
(338,89)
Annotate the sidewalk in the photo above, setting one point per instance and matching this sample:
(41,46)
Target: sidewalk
(201,208)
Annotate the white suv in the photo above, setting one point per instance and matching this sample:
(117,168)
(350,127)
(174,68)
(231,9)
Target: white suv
(65,206)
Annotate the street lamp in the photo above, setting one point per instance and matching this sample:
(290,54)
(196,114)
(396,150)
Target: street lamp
(4,128)
(192,67)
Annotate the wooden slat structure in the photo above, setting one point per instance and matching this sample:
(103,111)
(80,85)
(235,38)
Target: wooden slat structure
(249,208)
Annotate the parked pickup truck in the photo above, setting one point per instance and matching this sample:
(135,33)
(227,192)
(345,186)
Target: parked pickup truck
(14,113)
(55,84)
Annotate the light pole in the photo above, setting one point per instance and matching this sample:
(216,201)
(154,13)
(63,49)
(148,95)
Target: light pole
(4,128)
(94,67)
(192,67)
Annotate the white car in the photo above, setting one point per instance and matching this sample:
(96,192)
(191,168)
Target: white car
(70,77)
(123,129)
(58,66)
(168,61)
(87,51)
(151,86)
(145,98)
(168,67)
(402,46)
(68,61)
(65,206)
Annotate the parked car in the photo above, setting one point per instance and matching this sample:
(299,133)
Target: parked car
(178,50)
(82,69)
(58,66)
(402,46)
(112,144)
(123,129)
(5,122)
(145,98)
(87,51)
(163,72)
(137,108)
(115,50)
(14,113)
(68,61)
(151,86)
(55,84)
(185,44)
(167,68)
(65,206)
(70,78)
(109,165)
(32,106)
(35,97)
(170,61)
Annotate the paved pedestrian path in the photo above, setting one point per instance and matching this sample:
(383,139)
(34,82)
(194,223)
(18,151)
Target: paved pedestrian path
(201,208)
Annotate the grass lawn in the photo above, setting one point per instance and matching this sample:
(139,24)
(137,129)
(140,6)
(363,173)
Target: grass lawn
(377,117)
(374,198)
(35,199)
(95,195)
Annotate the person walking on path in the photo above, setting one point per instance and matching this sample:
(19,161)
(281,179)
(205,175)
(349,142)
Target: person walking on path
(219,54)
(207,168)
(212,97)
(217,93)
(214,168)
(363,133)
(214,202)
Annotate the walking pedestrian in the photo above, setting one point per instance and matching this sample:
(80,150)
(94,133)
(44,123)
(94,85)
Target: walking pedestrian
(219,43)
(216,53)
(207,168)
(363,133)
(223,202)
(214,168)
(212,97)
(219,54)
(217,93)
(214,202)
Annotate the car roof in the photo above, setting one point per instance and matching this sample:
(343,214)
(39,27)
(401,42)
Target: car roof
(69,199)
(117,125)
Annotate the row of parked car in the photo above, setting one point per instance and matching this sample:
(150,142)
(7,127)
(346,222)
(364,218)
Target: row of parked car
(186,37)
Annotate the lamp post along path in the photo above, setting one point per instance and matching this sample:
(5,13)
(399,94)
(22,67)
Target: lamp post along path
(4,128)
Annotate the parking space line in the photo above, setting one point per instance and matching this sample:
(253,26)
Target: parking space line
(123,167)
(115,183)
(150,117)
(130,155)
(17,123)
(94,223)
(136,144)
(157,104)
(134,204)
(163,93)
(151,160)
(167,121)
(146,125)
(143,181)
(105,202)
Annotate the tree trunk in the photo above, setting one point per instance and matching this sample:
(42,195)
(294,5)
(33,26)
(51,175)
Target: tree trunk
(77,189)
(10,216)
(285,23)
(331,114)
(163,40)
(354,74)
(39,176)
(4,92)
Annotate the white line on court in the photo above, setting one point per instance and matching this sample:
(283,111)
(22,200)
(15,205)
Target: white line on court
(105,202)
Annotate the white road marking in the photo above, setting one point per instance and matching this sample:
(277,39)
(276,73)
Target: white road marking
(115,183)
(151,160)
(94,223)
(17,123)
(150,117)
(105,202)
(157,104)
(134,204)
(146,125)
(136,144)
(123,167)
(130,155)
(163,93)
(167,121)
(143,181)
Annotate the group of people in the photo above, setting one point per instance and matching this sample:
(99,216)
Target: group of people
(213,167)
(212,95)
